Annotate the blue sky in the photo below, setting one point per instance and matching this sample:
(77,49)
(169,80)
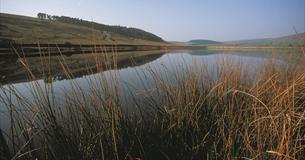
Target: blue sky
(180,20)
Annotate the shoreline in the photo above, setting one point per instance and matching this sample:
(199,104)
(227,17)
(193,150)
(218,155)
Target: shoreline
(255,48)
(35,50)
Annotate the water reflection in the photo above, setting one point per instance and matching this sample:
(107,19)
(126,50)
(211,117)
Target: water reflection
(135,75)
(12,70)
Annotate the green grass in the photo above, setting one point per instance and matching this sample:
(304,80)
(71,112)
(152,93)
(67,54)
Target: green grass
(231,117)
(30,30)
(284,41)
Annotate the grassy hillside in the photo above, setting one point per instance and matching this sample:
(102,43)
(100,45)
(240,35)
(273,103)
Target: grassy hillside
(285,41)
(22,29)
(203,42)
(291,40)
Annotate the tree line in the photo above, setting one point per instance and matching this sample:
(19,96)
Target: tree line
(122,30)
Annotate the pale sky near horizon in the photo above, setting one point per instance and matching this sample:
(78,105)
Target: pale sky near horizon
(179,20)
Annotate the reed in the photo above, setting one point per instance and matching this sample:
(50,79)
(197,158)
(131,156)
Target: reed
(224,113)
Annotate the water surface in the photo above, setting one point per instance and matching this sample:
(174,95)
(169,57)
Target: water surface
(135,76)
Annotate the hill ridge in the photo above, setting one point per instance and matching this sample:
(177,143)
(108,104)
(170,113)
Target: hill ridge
(63,29)
(287,40)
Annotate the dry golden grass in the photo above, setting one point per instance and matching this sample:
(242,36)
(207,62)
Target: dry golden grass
(202,116)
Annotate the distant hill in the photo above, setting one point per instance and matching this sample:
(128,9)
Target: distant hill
(203,42)
(62,29)
(291,40)
(179,43)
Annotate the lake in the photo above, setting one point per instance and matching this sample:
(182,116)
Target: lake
(134,78)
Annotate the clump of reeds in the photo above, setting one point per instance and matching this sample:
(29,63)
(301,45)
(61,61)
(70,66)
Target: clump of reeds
(224,113)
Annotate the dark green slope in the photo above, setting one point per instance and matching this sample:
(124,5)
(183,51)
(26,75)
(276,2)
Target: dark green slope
(203,42)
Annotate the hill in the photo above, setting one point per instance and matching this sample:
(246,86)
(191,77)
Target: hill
(203,42)
(55,29)
(179,43)
(291,40)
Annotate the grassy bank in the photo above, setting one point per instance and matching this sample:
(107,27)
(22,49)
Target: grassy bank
(253,48)
(30,30)
(230,115)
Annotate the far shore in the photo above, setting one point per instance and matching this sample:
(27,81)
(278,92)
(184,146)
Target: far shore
(231,47)
(32,50)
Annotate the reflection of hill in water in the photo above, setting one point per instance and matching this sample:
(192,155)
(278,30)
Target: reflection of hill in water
(202,52)
(12,71)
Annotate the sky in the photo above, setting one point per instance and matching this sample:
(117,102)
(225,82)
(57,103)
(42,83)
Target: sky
(179,20)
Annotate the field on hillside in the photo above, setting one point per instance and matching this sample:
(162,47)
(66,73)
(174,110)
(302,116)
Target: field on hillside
(28,30)
(284,41)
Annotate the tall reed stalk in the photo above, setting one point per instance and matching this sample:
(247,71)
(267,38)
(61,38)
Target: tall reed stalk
(230,115)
